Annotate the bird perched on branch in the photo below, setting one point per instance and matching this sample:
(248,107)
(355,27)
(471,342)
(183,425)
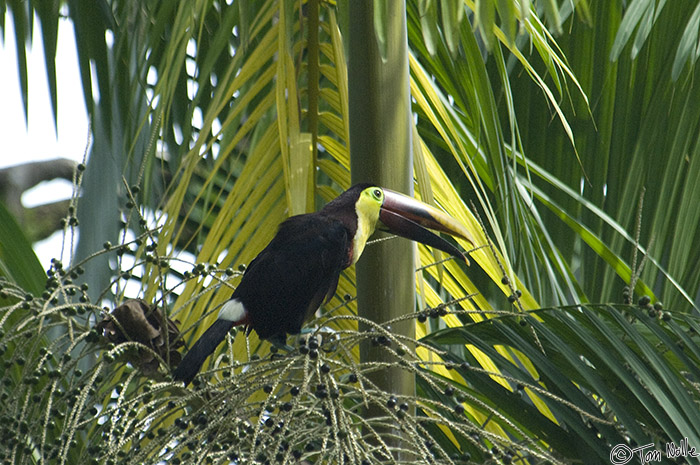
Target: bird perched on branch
(299,269)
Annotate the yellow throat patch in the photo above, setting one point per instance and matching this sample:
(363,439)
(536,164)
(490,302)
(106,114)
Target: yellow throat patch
(367,210)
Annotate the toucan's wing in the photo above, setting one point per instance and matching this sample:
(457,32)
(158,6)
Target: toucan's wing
(290,278)
(282,286)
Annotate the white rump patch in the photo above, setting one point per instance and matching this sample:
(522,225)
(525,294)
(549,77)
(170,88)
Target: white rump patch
(232,310)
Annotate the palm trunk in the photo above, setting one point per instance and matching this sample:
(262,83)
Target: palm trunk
(380,135)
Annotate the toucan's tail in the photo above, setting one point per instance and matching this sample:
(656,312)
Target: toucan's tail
(205,345)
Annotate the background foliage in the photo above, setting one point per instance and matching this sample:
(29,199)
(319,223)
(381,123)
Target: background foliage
(572,132)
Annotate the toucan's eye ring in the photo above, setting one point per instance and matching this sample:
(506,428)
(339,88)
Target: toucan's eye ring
(377,194)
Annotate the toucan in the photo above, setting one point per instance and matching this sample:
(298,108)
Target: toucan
(299,269)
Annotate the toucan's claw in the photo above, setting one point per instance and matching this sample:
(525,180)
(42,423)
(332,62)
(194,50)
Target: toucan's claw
(279,341)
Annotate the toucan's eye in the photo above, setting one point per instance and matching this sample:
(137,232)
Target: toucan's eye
(377,194)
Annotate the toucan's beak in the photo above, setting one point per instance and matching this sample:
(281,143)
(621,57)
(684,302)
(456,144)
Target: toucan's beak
(409,218)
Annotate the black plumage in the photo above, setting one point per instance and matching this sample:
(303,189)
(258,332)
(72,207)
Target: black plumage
(290,278)
(287,282)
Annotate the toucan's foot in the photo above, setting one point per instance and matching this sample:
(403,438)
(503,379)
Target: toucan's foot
(279,341)
(325,337)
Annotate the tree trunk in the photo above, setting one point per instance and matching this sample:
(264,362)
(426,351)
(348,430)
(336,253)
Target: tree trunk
(380,135)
